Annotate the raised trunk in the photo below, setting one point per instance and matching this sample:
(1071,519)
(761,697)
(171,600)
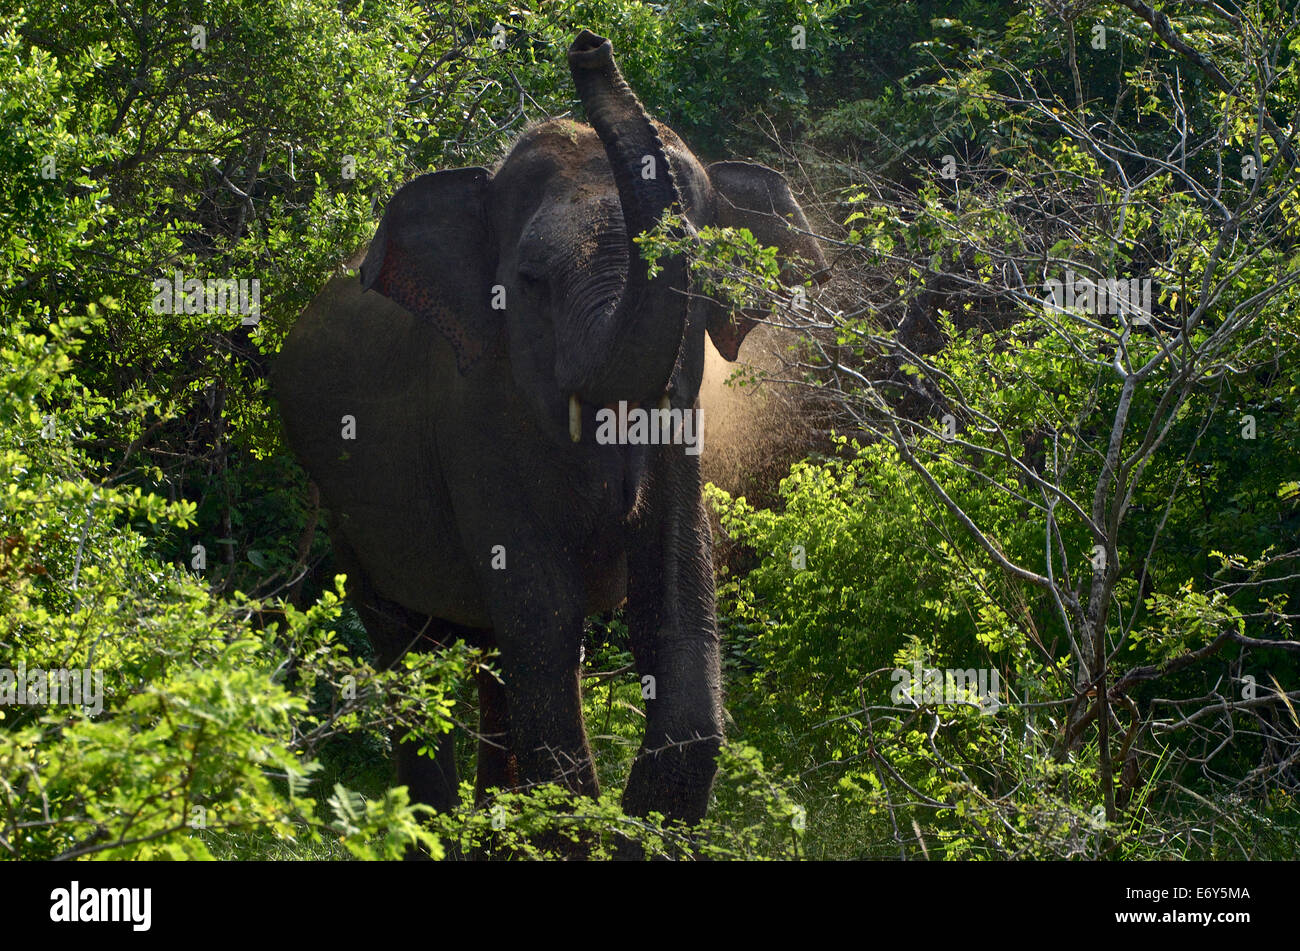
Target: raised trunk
(638,338)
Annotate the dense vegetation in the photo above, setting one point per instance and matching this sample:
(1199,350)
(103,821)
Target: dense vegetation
(1101,510)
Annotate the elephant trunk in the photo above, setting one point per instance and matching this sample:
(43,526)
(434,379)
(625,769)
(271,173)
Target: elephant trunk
(626,348)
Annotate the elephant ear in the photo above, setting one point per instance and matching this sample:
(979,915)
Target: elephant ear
(433,254)
(758,198)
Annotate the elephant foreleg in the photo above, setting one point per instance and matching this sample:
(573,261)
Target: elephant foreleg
(537,606)
(546,727)
(547,735)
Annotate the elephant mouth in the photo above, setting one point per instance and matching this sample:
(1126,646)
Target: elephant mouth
(622,464)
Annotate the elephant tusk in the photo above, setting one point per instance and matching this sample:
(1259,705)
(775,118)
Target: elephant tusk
(575,418)
(663,402)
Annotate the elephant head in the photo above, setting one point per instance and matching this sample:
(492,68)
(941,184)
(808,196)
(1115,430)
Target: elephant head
(541,252)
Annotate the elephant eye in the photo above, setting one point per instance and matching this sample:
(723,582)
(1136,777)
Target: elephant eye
(532,274)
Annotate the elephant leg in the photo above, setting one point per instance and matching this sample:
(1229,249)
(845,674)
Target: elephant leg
(432,780)
(497,768)
(539,666)
(673,628)
(547,732)
(537,616)
(534,590)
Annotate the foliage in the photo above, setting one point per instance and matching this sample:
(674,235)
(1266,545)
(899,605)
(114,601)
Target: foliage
(1098,504)
(188,731)
(153,530)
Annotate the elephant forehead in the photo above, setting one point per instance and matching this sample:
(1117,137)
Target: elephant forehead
(569,219)
(555,135)
(546,150)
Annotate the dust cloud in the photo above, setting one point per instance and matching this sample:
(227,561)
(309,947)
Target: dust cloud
(752,433)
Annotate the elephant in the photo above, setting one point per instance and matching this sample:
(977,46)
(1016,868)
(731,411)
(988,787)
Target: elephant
(446,401)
